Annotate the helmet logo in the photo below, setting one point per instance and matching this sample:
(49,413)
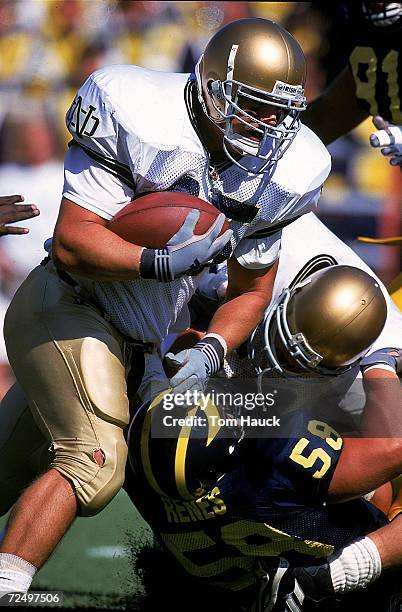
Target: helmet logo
(293,92)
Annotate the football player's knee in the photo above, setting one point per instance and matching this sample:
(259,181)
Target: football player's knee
(96,477)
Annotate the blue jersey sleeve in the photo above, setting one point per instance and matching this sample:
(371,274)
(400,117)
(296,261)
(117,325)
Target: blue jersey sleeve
(302,463)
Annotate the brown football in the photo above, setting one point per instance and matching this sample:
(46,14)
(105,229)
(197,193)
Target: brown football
(151,220)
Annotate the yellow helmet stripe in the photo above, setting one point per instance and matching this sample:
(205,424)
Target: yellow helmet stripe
(180,458)
(213,424)
(182,444)
(145,435)
(395,290)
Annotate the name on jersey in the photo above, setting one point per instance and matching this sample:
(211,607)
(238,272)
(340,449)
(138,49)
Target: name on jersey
(206,507)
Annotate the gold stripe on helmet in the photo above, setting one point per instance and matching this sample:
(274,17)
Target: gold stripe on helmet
(144,443)
(180,458)
(210,411)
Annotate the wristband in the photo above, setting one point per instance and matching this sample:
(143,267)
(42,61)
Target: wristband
(156,264)
(358,564)
(213,347)
(379,358)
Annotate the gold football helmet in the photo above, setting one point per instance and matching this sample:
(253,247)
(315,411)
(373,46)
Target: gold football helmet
(324,324)
(257,64)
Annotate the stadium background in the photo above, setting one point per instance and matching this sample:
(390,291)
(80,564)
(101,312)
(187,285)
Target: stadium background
(47,49)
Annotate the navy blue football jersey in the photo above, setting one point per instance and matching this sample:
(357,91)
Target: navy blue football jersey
(272,502)
(374,55)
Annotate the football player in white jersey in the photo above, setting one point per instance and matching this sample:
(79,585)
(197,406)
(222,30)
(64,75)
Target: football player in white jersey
(231,136)
(322,248)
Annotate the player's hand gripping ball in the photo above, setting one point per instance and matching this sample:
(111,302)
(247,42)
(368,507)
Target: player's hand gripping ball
(181,233)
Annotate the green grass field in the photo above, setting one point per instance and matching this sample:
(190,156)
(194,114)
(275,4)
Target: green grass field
(92,563)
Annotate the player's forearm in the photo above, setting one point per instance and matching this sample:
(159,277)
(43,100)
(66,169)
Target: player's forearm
(364,465)
(382,414)
(375,457)
(83,244)
(237,318)
(334,112)
(388,540)
(95,252)
(248,295)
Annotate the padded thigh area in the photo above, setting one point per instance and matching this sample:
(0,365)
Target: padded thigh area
(69,362)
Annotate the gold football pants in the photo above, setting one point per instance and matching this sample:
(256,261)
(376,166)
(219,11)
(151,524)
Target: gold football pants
(70,363)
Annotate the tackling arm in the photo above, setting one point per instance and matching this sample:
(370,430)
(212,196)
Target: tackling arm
(335,112)
(375,457)
(388,540)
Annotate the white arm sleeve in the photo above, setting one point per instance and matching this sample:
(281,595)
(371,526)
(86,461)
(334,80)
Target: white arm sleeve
(255,253)
(89,185)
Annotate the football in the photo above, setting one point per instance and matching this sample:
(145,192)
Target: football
(152,219)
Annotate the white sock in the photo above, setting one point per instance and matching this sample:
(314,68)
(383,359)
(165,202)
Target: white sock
(356,566)
(16,574)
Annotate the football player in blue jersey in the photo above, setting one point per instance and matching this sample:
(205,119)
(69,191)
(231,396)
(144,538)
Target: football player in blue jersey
(226,504)
(369,36)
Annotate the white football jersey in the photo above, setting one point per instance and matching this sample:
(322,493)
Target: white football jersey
(132,134)
(296,252)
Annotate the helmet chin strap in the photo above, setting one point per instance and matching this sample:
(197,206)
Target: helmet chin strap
(256,157)
(248,162)
(242,144)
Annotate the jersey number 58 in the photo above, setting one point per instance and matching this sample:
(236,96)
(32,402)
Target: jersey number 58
(318,456)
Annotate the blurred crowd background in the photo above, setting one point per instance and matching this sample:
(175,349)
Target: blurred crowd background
(49,47)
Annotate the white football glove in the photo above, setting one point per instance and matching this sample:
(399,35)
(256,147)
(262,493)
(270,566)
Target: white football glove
(196,365)
(389,139)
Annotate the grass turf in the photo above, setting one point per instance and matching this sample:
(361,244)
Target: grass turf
(92,564)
